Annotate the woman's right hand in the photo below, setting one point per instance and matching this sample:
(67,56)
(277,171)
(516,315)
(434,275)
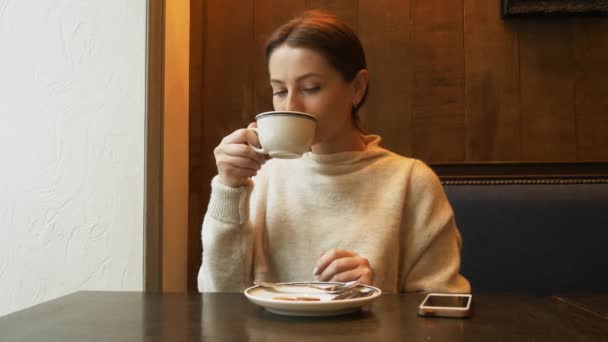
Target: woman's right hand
(236,161)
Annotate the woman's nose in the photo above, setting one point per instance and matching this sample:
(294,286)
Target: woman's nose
(294,103)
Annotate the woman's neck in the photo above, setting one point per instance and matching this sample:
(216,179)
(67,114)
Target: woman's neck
(351,141)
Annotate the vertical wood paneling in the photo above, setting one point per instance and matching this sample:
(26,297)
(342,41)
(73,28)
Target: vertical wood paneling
(592,136)
(591,86)
(547,75)
(176,103)
(196,195)
(344,9)
(268,16)
(438,88)
(491,84)
(228,67)
(227,78)
(154,161)
(384,29)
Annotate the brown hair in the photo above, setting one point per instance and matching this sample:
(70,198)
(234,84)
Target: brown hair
(328,36)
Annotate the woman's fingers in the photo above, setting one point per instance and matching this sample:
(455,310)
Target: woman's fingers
(237,161)
(240,161)
(341,265)
(237,144)
(241,136)
(362,273)
(328,257)
(338,266)
(238,150)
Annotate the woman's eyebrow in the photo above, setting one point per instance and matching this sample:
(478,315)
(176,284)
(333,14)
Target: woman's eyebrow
(300,78)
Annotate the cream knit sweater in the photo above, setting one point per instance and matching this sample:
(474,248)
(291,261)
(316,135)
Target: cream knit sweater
(385,207)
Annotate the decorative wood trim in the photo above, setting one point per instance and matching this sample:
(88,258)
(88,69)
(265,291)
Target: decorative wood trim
(522,173)
(511,8)
(154,158)
(176,75)
(524,181)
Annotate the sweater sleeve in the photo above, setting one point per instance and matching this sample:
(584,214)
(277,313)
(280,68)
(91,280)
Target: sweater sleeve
(227,240)
(431,243)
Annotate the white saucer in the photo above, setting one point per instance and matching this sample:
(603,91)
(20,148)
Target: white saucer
(325,306)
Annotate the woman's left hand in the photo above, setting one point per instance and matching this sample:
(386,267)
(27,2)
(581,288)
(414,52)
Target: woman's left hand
(343,266)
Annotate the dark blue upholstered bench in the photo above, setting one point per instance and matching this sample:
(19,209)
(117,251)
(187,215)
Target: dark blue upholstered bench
(538,238)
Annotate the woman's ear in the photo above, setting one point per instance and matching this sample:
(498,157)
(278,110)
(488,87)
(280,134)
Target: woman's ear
(359,85)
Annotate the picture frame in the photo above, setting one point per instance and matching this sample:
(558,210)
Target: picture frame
(520,8)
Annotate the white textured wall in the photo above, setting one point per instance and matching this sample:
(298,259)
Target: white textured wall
(72,100)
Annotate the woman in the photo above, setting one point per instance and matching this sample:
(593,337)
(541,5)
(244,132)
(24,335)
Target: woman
(348,209)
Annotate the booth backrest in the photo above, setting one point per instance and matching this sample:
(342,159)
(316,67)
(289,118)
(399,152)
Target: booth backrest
(539,238)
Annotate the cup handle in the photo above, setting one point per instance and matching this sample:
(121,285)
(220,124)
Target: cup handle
(255,148)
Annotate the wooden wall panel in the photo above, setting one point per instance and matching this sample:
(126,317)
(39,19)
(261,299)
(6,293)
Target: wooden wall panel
(228,58)
(268,15)
(176,157)
(438,84)
(196,197)
(491,84)
(227,79)
(385,32)
(547,75)
(153,248)
(591,87)
(346,10)
(451,82)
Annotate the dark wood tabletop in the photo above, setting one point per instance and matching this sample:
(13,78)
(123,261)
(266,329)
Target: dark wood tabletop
(596,303)
(131,316)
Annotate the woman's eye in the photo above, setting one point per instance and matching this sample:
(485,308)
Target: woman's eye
(279,92)
(311,90)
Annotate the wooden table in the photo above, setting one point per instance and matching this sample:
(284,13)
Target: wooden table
(129,316)
(596,303)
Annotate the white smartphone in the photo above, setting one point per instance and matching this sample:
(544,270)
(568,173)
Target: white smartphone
(446,305)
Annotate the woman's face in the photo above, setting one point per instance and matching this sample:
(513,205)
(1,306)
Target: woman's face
(302,80)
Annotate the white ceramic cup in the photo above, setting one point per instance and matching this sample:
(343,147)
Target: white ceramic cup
(285,134)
